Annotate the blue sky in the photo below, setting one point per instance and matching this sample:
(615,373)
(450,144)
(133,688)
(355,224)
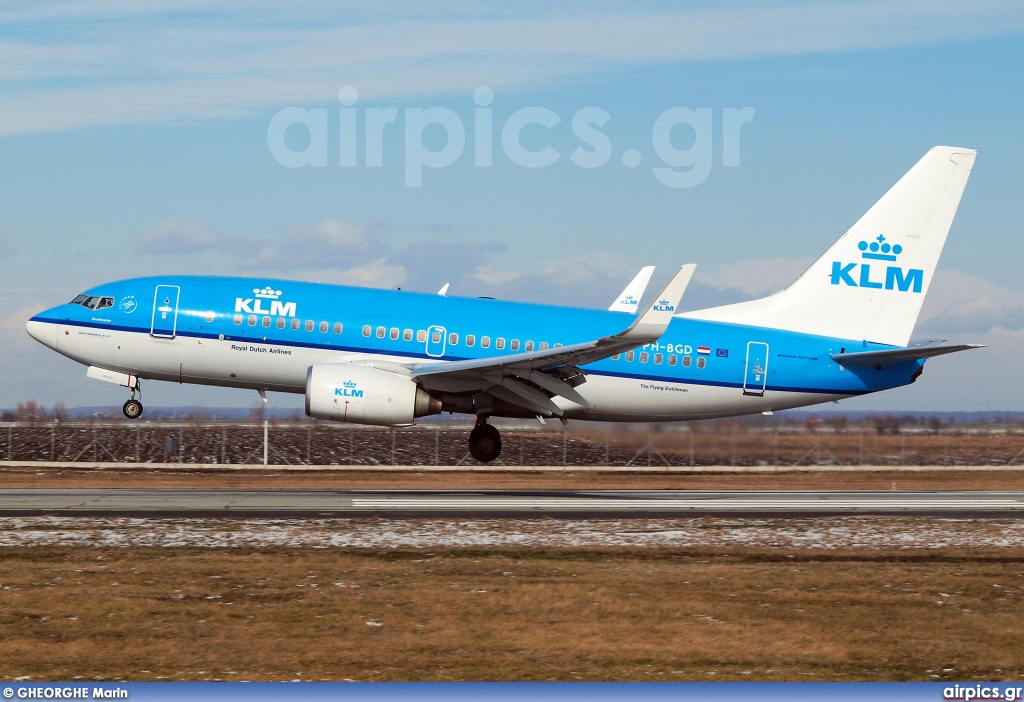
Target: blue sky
(134,140)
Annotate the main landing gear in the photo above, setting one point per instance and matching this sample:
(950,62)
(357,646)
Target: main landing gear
(484,441)
(133,408)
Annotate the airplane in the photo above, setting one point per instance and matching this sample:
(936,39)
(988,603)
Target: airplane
(387,357)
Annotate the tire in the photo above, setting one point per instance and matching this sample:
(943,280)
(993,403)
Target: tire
(132,409)
(484,443)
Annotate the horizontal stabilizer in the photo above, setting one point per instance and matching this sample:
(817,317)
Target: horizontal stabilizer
(889,357)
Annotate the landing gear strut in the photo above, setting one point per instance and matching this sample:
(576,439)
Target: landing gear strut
(484,441)
(133,408)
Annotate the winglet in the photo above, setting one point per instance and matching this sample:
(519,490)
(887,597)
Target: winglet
(654,321)
(444,290)
(629,299)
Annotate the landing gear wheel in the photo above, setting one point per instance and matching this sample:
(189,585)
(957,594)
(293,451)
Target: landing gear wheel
(132,409)
(484,443)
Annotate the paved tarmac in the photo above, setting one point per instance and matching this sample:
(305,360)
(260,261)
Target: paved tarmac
(502,503)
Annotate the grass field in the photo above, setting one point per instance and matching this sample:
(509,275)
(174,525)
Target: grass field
(774,611)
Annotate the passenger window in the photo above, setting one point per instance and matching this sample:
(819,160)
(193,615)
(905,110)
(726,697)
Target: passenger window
(281,321)
(421,335)
(470,340)
(657,358)
(453,339)
(337,327)
(485,342)
(701,362)
(629,356)
(309,325)
(436,337)
(686,361)
(295,323)
(394,332)
(323,327)
(672,359)
(514,345)
(557,345)
(238,319)
(500,343)
(616,356)
(543,345)
(266,321)
(643,357)
(209,317)
(529,346)
(366,330)
(381,331)
(252,320)
(407,335)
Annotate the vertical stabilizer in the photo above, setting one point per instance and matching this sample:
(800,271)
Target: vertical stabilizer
(871,283)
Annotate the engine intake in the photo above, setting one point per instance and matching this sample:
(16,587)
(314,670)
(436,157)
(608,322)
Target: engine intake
(365,394)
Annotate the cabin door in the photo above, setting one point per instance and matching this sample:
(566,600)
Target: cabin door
(165,312)
(756,374)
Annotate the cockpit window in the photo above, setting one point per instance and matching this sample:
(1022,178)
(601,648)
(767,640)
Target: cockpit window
(93,302)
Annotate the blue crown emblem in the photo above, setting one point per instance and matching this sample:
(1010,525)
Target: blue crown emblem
(349,384)
(879,250)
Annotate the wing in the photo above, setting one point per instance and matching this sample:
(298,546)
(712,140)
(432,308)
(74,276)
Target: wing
(528,380)
(629,299)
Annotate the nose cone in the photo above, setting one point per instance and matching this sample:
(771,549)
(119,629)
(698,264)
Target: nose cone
(43,332)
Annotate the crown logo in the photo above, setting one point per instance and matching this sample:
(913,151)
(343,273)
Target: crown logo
(267,293)
(879,249)
(349,384)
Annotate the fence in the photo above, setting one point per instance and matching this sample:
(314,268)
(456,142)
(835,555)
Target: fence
(316,443)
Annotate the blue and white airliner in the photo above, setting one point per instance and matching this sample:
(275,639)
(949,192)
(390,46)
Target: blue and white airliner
(387,357)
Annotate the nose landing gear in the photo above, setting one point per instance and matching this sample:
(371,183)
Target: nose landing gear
(133,408)
(484,441)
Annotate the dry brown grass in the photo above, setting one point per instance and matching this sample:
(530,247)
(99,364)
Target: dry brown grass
(234,614)
(31,477)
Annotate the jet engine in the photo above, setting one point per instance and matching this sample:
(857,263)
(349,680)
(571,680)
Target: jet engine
(365,394)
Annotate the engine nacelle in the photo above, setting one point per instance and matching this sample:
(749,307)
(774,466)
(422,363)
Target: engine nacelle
(364,394)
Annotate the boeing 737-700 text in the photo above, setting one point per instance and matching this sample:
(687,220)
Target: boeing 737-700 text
(388,357)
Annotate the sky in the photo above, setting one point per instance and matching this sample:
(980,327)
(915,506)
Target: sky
(534,152)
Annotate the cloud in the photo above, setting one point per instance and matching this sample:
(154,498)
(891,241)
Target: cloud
(961,303)
(13,325)
(117,63)
(755,277)
(5,250)
(175,237)
(427,262)
(332,244)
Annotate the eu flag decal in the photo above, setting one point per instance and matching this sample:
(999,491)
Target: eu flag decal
(722,353)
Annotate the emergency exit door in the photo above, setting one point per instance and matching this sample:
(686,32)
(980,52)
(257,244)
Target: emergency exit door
(165,312)
(756,374)
(436,341)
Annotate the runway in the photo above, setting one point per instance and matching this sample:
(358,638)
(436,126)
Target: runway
(502,503)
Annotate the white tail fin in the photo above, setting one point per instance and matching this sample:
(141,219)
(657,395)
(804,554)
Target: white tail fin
(871,283)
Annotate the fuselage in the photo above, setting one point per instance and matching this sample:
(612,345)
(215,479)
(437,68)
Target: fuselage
(264,334)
